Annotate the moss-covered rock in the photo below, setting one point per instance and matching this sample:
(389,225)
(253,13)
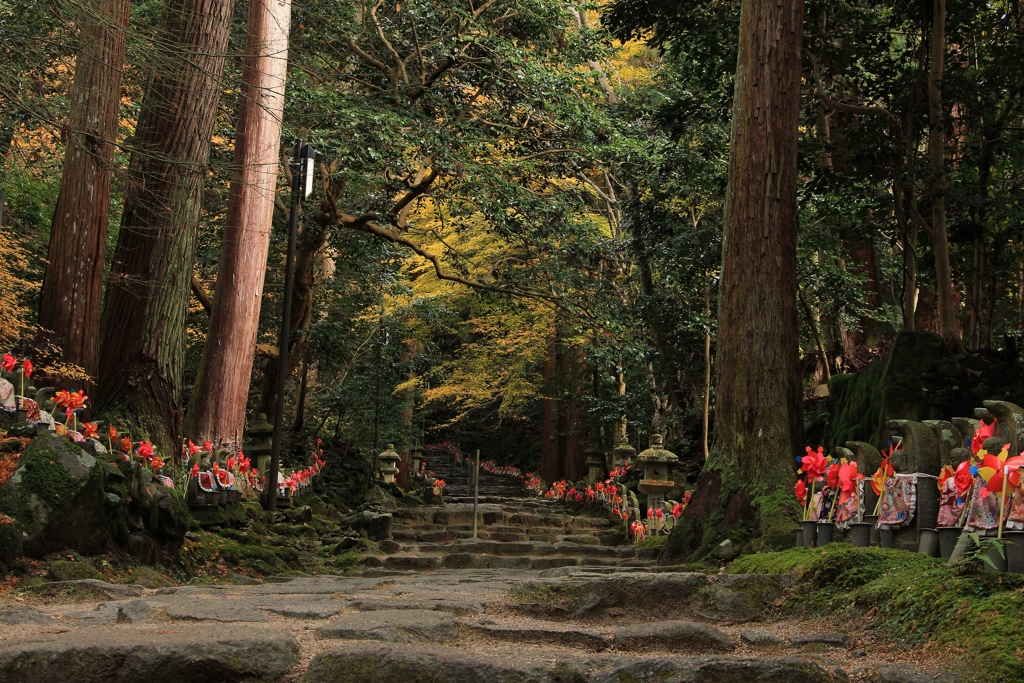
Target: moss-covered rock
(65,570)
(147,577)
(11,546)
(224,515)
(57,494)
(889,388)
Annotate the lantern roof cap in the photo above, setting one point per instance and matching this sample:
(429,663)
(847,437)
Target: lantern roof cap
(657,452)
(624,447)
(260,425)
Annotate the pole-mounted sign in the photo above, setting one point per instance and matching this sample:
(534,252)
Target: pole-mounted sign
(308,155)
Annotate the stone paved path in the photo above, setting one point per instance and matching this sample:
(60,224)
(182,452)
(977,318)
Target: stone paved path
(567,625)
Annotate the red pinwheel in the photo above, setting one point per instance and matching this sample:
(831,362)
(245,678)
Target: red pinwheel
(27,367)
(193,449)
(848,478)
(800,491)
(195,470)
(89,430)
(9,362)
(814,463)
(983,432)
(1015,464)
(963,479)
(207,446)
(990,469)
(833,476)
(145,450)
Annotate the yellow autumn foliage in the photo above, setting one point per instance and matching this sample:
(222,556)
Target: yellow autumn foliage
(14,289)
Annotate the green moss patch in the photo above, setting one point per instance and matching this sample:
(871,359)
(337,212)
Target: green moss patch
(652,542)
(911,597)
(147,577)
(64,570)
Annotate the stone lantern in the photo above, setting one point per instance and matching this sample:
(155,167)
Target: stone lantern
(656,462)
(389,464)
(416,458)
(261,442)
(595,463)
(623,452)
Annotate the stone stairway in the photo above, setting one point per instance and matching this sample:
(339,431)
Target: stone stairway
(512,533)
(457,478)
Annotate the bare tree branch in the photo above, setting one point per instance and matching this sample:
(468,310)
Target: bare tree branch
(399,62)
(201,294)
(376,63)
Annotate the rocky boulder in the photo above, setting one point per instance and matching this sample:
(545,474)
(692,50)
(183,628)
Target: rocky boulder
(57,494)
(11,546)
(63,497)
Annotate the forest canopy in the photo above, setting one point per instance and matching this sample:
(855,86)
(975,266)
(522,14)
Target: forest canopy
(514,240)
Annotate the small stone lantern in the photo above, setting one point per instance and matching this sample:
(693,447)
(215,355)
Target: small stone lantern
(261,442)
(389,464)
(595,463)
(623,453)
(416,458)
(656,462)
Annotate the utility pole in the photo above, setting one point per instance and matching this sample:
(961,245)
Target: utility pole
(302,186)
(376,405)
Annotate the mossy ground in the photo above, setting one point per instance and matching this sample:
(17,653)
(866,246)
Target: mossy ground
(910,598)
(225,546)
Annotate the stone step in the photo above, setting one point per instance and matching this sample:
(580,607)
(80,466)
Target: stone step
(463,560)
(384,661)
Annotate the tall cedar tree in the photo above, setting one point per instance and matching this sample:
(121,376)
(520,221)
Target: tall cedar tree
(217,408)
(142,330)
(758,420)
(947,306)
(69,303)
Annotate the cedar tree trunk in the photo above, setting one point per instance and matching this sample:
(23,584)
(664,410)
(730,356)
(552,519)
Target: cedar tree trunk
(758,422)
(217,408)
(69,302)
(312,238)
(949,326)
(142,331)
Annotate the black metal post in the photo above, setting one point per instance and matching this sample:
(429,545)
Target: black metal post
(376,405)
(270,489)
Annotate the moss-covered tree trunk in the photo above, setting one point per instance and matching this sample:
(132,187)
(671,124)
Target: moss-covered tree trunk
(746,483)
(142,331)
(69,302)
